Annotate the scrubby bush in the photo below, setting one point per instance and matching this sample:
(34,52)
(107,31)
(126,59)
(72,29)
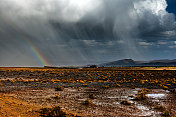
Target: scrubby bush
(87,102)
(167,113)
(48,99)
(105,87)
(125,102)
(141,94)
(52,112)
(174,90)
(56,96)
(91,96)
(59,88)
(165,87)
(160,108)
(117,85)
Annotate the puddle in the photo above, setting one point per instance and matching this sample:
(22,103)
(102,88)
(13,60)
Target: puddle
(116,103)
(147,111)
(155,95)
(84,99)
(72,90)
(96,102)
(167,91)
(115,97)
(135,92)
(142,107)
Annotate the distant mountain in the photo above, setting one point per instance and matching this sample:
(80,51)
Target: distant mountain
(130,62)
(124,62)
(163,61)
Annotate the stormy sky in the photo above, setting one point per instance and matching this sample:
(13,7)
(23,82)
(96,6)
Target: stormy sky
(80,32)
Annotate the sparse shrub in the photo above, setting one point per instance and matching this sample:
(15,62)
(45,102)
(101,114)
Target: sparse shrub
(85,84)
(165,87)
(118,85)
(106,87)
(56,96)
(87,102)
(141,94)
(91,96)
(125,102)
(52,112)
(48,99)
(78,88)
(142,82)
(59,88)
(1,84)
(160,108)
(130,96)
(167,113)
(174,90)
(146,90)
(12,81)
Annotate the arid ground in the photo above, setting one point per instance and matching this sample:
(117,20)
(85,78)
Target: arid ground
(88,92)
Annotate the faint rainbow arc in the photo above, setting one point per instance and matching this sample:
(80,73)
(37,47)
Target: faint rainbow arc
(36,53)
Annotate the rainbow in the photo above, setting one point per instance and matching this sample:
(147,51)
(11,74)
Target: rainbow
(36,53)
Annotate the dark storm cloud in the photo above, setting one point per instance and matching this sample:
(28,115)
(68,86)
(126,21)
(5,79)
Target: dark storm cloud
(80,32)
(148,22)
(155,26)
(84,31)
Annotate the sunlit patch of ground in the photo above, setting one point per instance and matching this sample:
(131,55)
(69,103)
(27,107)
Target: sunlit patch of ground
(12,107)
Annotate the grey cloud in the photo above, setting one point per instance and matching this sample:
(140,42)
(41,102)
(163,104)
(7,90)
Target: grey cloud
(76,32)
(145,43)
